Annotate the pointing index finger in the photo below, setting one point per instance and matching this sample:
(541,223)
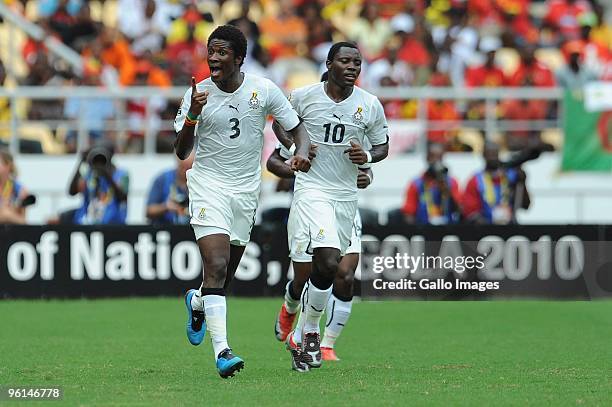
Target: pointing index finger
(193,85)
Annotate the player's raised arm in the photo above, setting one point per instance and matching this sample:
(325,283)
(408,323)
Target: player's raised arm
(187,119)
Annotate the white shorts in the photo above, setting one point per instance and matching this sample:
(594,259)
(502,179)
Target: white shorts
(318,222)
(214,210)
(355,246)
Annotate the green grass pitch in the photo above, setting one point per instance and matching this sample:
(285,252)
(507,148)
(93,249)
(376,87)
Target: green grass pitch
(134,352)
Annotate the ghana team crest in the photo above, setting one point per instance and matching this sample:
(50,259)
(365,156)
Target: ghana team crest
(254,101)
(358,115)
(320,235)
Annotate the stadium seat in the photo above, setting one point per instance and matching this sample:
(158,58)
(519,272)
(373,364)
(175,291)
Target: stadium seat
(230,10)
(551,57)
(25,146)
(109,13)
(369,217)
(209,7)
(538,9)
(31,10)
(508,60)
(30,146)
(296,71)
(300,79)
(553,137)
(11,44)
(471,137)
(41,134)
(95,8)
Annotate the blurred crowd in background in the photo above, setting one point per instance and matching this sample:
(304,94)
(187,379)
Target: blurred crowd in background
(471,43)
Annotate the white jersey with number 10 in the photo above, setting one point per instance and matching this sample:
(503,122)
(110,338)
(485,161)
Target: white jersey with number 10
(332,126)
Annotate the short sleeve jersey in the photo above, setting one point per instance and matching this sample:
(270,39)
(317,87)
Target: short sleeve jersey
(230,131)
(332,126)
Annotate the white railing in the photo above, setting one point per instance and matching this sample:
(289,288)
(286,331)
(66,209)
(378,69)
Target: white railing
(16,21)
(489,124)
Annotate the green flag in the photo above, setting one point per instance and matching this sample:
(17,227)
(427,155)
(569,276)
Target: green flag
(588,136)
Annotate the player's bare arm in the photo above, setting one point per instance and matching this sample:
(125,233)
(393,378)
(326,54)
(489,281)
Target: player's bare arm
(281,135)
(277,165)
(364,178)
(301,158)
(300,161)
(185,138)
(359,156)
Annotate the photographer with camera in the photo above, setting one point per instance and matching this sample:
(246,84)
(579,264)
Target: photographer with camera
(432,198)
(168,199)
(493,194)
(13,196)
(104,188)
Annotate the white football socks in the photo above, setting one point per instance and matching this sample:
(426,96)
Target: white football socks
(338,313)
(291,304)
(215,310)
(196,301)
(316,300)
(299,326)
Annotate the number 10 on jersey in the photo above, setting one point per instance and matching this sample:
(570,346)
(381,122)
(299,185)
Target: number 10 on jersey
(337,134)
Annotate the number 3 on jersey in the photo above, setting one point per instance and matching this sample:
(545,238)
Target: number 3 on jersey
(236,130)
(337,135)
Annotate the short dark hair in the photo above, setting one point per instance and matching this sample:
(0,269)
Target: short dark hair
(232,35)
(336,47)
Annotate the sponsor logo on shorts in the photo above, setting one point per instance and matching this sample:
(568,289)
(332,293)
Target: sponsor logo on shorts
(202,213)
(320,235)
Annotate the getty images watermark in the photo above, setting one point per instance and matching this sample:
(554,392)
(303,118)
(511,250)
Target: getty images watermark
(399,266)
(561,266)
(421,263)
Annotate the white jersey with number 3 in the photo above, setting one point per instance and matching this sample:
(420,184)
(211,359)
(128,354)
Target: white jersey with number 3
(229,133)
(332,126)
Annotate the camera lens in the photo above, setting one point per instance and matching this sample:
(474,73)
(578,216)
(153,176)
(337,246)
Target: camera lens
(98,156)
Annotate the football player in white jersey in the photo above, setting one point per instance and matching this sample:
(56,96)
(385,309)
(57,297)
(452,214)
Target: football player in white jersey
(339,118)
(224,116)
(340,302)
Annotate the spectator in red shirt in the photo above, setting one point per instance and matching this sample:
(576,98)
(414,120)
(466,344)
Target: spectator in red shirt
(511,14)
(492,195)
(487,74)
(186,58)
(443,113)
(433,197)
(563,16)
(414,37)
(530,72)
